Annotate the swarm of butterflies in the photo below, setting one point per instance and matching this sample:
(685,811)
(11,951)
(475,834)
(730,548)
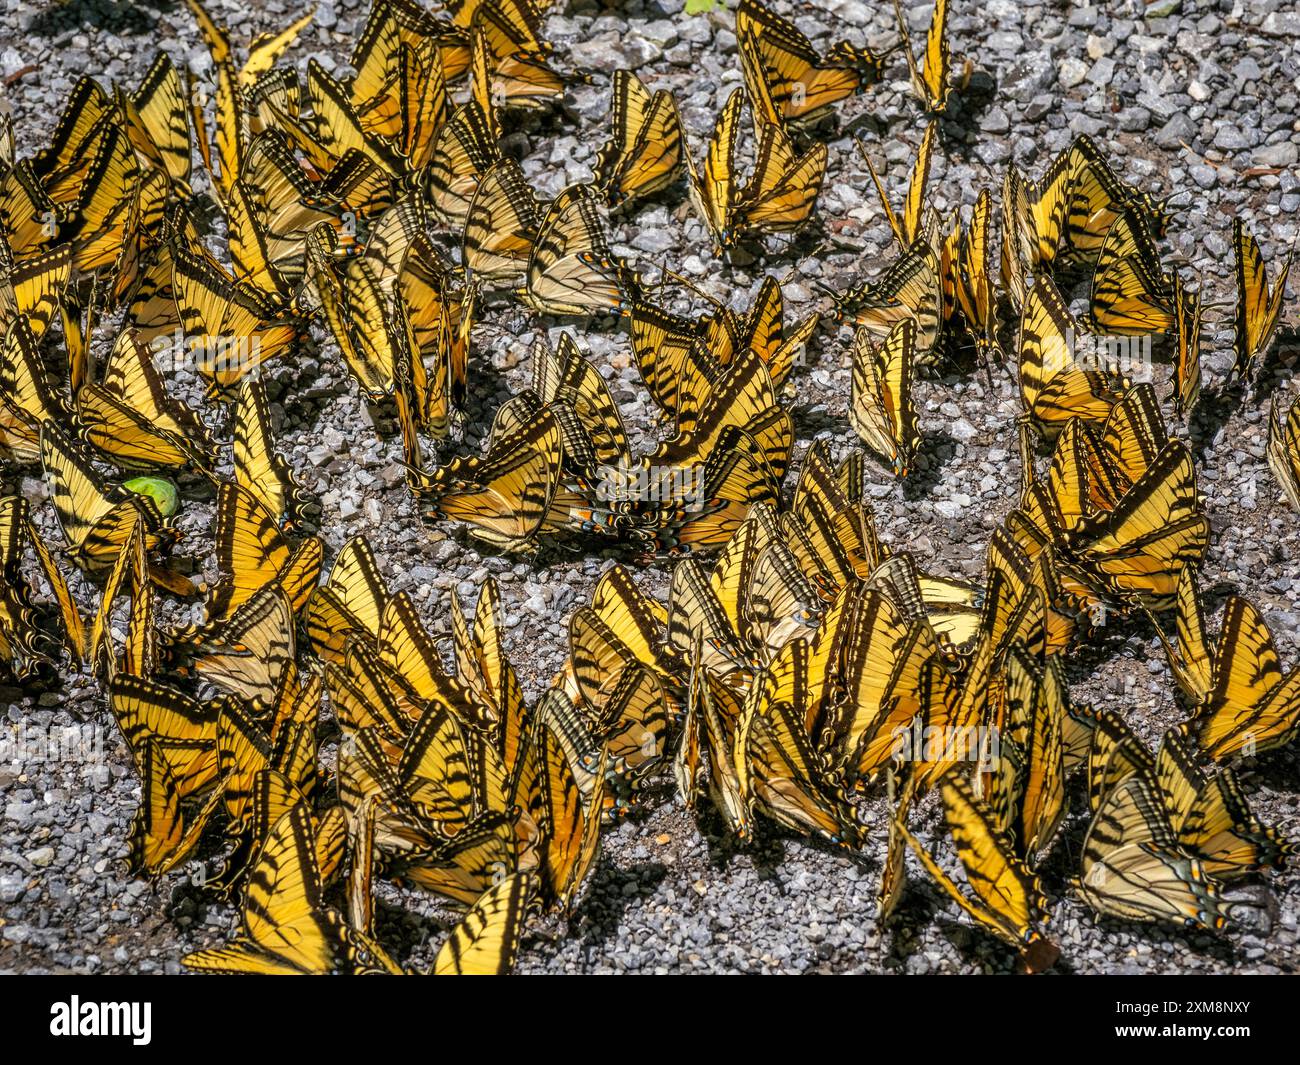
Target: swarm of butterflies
(308,735)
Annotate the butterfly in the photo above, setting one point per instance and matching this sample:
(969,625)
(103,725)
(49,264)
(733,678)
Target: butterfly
(271,208)
(874,643)
(230,327)
(253,553)
(97,517)
(571,269)
(232,81)
(259,468)
(1138,549)
(622,627)
(974,286)
(285,924)
(249,652)
(881,409)
(33,288)
(1066,216)
(504,495)
(628,719)
(464,149)
(158,122)
(1133,867)
(1259,305)
(643,155)
(932,78)
(1031,751)
(350,602)
(1058,380)
(791,782)
(1187,311)
(1250,705)
(1008,899)
(1130,292)
(1209,813)
(785,73)
(173,743)
(911,287)
(672,350)
(513,69)
(501,226)
(483,667)
(911,226)
(563,375)
(129,416)
(782,189)
(486,941)
(1284,448)
(360,315)
(140,652)
(27,395)
(24,645)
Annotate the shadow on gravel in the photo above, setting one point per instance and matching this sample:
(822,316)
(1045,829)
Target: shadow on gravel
(960,124)
(405,933)
(1281,360)
(1277,770)
(809,422)
(605,900)
(117,18)
(1210,415)
(940,447)
(1202,944)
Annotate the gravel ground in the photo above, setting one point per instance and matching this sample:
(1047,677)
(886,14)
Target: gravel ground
(1193,98)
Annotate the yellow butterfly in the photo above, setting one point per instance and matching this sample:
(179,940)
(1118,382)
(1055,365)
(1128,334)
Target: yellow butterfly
(880,406)
(1007,898)
(644,153)
(1284,449)
(782,189)
(1187,311)
(910,227)
(285,924)
(24,645)
(932,79)
(1259,305)
(1252,705)
(1130,292)
(784,73)
(571,269)
(1057,379)
(501,226)
(1133,867)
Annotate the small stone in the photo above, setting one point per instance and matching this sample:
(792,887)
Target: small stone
(1284,153)
(995,121)
(1134,119)
(1102,71)
(1028,76)
(962,430)
(1071,72)
(1039,106)
(1179,130)
(1231,139)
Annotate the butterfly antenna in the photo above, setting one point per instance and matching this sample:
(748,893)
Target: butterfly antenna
(795,268)
(688,283)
